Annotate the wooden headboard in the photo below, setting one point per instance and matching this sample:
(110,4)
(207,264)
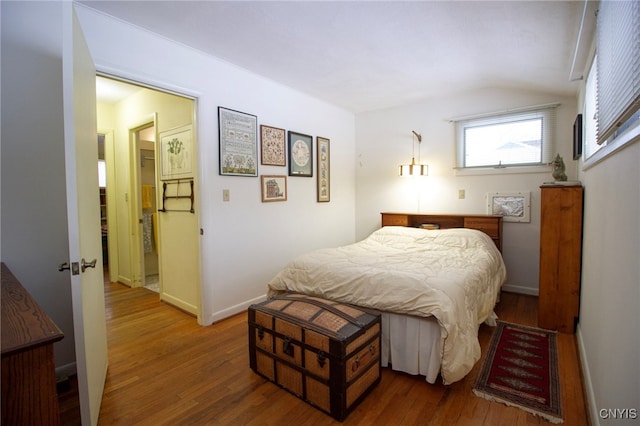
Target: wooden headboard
(489,224)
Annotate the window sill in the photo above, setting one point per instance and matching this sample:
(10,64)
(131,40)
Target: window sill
(629,137)
(481,171)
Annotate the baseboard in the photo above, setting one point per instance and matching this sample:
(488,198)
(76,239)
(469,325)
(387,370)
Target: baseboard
(180,304)
(67,370)
(520,289)
(226,313)
(594,419)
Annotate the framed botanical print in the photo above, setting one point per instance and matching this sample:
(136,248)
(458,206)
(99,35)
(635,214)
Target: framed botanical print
(300,154)
(272,146)
(323,170)
(176,153)
(238,143)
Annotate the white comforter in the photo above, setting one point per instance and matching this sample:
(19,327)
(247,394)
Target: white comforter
(454,275)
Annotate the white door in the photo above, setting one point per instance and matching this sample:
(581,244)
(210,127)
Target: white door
(81,159)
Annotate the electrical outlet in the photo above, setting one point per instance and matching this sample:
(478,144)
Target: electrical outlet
(225,195)
(461,194)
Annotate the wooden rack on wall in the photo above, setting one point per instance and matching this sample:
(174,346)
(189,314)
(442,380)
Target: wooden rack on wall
(166,197)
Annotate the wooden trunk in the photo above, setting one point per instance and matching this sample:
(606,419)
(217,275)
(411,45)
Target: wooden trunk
(324,352)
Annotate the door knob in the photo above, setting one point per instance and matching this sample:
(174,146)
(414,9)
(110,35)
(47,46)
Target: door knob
(84,265)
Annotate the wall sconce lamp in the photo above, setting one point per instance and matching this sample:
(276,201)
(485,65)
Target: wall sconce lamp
(414,169)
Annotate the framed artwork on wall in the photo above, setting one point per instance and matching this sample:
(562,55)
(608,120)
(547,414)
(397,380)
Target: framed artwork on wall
(577,137)
(238,143)
(176,153)
(272,146)
(512,206)
(324,171)
(300,154)
(274,188)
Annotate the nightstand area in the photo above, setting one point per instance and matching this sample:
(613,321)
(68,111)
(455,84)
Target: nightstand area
(489,224)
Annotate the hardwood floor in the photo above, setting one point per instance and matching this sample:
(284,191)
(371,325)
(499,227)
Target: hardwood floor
(165,369)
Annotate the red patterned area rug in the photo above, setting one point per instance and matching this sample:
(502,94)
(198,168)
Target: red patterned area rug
(521,370)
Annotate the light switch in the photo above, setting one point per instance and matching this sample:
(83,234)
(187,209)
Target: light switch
(461,194)
(225,195)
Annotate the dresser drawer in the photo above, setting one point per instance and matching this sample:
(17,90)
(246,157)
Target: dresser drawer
(487,225)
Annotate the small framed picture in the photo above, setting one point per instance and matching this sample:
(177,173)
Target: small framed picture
(272,145)
(324,187)
(512,206)
(274,188)
(577,137)
(300,154)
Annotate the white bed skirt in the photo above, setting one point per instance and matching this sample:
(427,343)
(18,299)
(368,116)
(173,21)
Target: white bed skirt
(411,345)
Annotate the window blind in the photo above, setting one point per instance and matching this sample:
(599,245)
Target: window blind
(618,56)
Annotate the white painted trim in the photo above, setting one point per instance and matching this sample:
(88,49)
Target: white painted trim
(112,234)
(120,74)
(505,112)
(629,137)
(590,398)
(520,289)
(506,170)
(236,309)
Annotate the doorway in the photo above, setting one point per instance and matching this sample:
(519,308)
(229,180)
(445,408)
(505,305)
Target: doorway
(155,239)
(102,188)
(145,145)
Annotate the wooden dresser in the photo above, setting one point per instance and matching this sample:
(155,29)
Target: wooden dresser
(29,394)
(560,257)
(489,224)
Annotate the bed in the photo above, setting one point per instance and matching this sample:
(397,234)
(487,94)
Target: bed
(433,288)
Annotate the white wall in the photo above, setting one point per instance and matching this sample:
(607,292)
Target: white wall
(610,293)
(245,241)
(384,140)
(608,336)
(34,212)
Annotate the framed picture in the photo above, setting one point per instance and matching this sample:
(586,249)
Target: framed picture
(238,143)
(300,155)
(324,187)
(577,137)
(274,188)
(272,146)
(512,206)
(176,153)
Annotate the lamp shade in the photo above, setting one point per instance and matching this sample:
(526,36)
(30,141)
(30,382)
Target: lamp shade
(413,169)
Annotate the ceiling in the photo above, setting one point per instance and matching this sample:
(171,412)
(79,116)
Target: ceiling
(373,55)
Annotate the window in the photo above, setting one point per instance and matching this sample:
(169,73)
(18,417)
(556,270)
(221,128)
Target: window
(612,90)
(515,138)
(618,53)
(590,140)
